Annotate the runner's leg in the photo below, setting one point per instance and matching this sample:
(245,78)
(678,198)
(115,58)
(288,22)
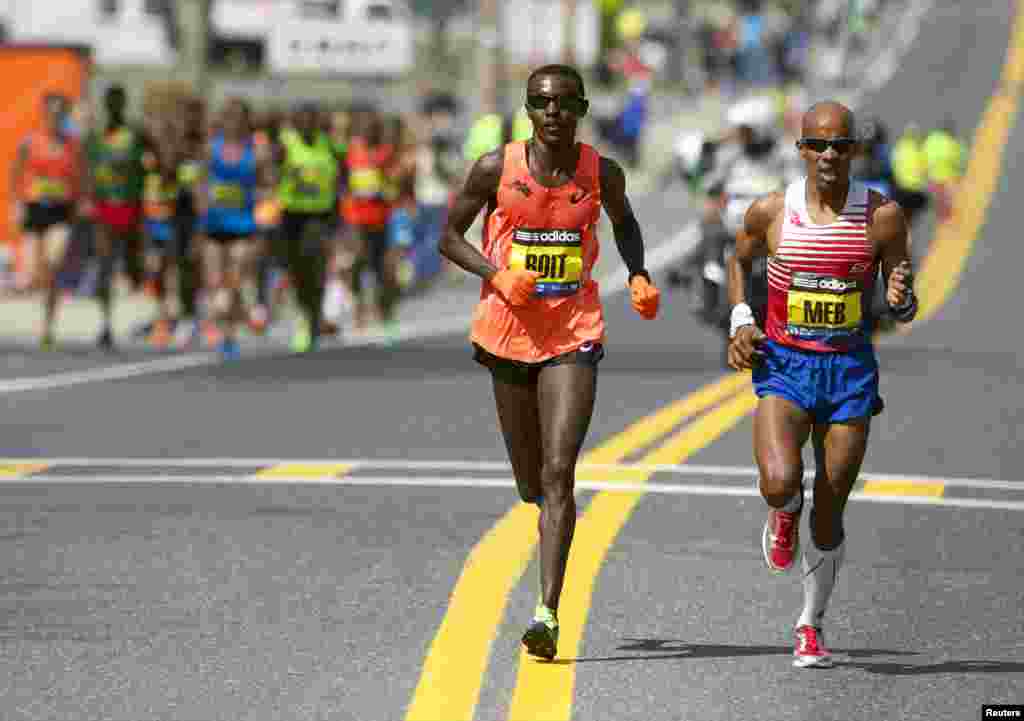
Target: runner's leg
(519,418)
(781,429)
(566,395)
(55,244)
(104,238)
(839,451)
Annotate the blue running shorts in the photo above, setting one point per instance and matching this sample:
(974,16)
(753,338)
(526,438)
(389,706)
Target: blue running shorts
(832,387)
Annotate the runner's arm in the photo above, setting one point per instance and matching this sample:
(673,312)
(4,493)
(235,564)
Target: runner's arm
(480,189)
(751,243)
(892,238)
(628,238)
(201,189)
(17,168)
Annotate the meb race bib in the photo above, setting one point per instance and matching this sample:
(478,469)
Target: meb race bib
(823,307)
(556,254)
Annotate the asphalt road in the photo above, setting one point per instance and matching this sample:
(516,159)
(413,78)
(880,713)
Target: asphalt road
(337,537)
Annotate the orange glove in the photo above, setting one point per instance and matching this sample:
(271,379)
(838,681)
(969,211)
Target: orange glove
(644,296)
(516,286)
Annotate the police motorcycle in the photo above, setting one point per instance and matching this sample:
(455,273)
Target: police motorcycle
(731,172)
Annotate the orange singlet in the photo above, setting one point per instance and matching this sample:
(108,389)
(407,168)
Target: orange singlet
(552,231)
(52,170)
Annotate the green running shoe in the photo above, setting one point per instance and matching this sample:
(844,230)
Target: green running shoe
(302,339)
(541,638)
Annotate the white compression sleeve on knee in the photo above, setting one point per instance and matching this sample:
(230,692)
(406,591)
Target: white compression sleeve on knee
(820,571)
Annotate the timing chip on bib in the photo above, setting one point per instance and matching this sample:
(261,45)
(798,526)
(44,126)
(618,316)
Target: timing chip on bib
(823,307)
(556,254)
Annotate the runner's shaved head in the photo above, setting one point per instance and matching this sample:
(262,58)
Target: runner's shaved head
(830,115)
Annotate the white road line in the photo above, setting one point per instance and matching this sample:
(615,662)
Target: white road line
(691,489)
(117,372)
(478,466)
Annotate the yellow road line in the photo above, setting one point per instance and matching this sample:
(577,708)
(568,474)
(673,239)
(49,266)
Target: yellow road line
(544,691)
(453,672)
(904,488)
(305,470)
(650,428)
(951,247)
(18,470)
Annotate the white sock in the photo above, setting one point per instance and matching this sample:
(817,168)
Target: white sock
(820,571)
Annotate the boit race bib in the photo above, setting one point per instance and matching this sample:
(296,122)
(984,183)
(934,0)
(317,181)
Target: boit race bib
(556,254)
(820,306)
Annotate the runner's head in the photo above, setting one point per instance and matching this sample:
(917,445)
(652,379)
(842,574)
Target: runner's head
(237,119)
(193,117)
(368,125)
(555,102)
(55,106)
(828,144)
(115,100)
(306,119)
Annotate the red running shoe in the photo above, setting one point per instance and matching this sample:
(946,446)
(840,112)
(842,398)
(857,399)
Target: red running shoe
(810,651)
(781,540)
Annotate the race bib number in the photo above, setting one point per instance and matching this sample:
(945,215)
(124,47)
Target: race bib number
(823,307)
(227,195)
(366,183)
(308,182)
(107,176)
(556,254)
(49,189)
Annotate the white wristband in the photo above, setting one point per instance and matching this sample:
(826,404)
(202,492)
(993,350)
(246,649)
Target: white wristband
(741,315)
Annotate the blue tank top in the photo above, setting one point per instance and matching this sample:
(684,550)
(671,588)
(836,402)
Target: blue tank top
(231,191)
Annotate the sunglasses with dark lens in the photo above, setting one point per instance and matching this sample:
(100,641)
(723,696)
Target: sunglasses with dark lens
(820,145)
(572,103)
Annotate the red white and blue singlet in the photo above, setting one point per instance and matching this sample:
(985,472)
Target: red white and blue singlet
(821,278)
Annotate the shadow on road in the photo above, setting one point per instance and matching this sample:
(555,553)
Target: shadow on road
(907,669)
(649,649)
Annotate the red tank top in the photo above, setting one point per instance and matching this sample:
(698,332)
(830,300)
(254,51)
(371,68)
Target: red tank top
(552,231)
(821,277)
(52,169)
(365,204)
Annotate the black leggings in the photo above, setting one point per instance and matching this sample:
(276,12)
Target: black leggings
(304,236)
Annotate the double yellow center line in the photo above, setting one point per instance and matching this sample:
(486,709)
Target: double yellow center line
(453,673)
(450,684)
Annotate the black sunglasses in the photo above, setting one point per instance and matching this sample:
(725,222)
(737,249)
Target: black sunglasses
(820,145)
(573,103)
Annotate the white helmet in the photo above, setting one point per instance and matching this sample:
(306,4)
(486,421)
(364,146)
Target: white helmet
(688,149)
(758,112)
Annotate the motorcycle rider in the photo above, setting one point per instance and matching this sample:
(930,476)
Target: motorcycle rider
(732,171)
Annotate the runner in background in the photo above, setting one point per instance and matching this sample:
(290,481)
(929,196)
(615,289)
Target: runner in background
(190,155)
(114,185)
(159,197)
(395,270)
(270,265)
(307,192)
(944,154)
(45,182)
(365,210)
(228,194)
